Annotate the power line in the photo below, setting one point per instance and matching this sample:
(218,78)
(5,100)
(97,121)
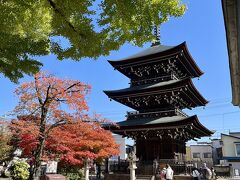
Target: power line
(208,115)
(218,114)
(211,105)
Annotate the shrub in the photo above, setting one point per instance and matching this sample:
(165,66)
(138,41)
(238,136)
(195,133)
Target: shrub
(19,170)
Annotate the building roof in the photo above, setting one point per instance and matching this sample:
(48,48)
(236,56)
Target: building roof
(230,136)
(156,54)
(190,124)
(234,132)
(231,12)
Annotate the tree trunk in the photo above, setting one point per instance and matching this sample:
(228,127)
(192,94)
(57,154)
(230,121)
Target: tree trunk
(36,168)
(38,156)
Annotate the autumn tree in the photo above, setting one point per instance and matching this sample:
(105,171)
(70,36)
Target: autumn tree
(50,103)
(70,143)
(91,28)
(82,140)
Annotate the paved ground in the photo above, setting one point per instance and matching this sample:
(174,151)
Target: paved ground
(235,178)
(94,178)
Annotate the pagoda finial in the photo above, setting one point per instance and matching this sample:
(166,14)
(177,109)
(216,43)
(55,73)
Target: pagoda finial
(156,41)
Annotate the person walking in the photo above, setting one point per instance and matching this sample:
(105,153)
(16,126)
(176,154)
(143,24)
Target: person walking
(195,174)
(169,172)
(213,174)
(98,170)
(206,172)
(163,174)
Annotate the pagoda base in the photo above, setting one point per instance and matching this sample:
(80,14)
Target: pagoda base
(151,149)
(116,177)
(127,177)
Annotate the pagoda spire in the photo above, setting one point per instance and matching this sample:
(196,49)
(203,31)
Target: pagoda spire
(156,32)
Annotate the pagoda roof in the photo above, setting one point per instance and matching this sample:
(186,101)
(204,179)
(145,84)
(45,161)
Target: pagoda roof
(183,87)
(150,121)
(141,87)
(149,51)
(156,54)
(191,124)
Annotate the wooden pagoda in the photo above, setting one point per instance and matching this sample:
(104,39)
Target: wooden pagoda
(160,87)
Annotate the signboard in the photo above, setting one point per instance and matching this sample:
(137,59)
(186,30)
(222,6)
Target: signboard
(236,172)
(51,167)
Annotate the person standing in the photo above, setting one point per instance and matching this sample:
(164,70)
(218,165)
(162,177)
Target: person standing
(163,174)
(195,174)
(213,174)
(169,172)
(206,172)
(98,170)
(155,166)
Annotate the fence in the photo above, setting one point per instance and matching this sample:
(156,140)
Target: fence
(152,168)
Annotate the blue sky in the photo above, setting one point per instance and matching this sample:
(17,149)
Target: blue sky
(202,27)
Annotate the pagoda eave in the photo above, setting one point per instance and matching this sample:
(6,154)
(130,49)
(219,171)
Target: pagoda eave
(171,125)
(179,52)
(161,94)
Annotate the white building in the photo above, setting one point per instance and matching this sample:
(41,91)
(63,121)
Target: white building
(202,153)
(231,150)
(122,145)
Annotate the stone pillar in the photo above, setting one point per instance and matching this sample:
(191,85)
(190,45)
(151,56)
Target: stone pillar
(132,159)
(86,168)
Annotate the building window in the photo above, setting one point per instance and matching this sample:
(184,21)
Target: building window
(207,155)
(196,155)
(238,149)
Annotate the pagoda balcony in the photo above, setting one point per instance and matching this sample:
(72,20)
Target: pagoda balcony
(139,82)
(164,113)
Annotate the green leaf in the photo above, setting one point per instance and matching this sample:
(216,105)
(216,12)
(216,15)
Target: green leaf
(92,29)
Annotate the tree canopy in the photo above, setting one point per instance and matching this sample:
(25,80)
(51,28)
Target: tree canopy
(34,28)
(70,143)
(52,120)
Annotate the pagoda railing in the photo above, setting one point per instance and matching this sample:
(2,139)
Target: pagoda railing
(153,168)
(153,80)
(154,114)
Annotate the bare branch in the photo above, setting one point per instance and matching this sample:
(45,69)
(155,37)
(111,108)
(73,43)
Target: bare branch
(60,100)
(71,86)
(32,113)
(54,97)
(59,123)
(38,93)
(47,95)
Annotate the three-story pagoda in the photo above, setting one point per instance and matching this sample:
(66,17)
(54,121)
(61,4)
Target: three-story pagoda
(160,87)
